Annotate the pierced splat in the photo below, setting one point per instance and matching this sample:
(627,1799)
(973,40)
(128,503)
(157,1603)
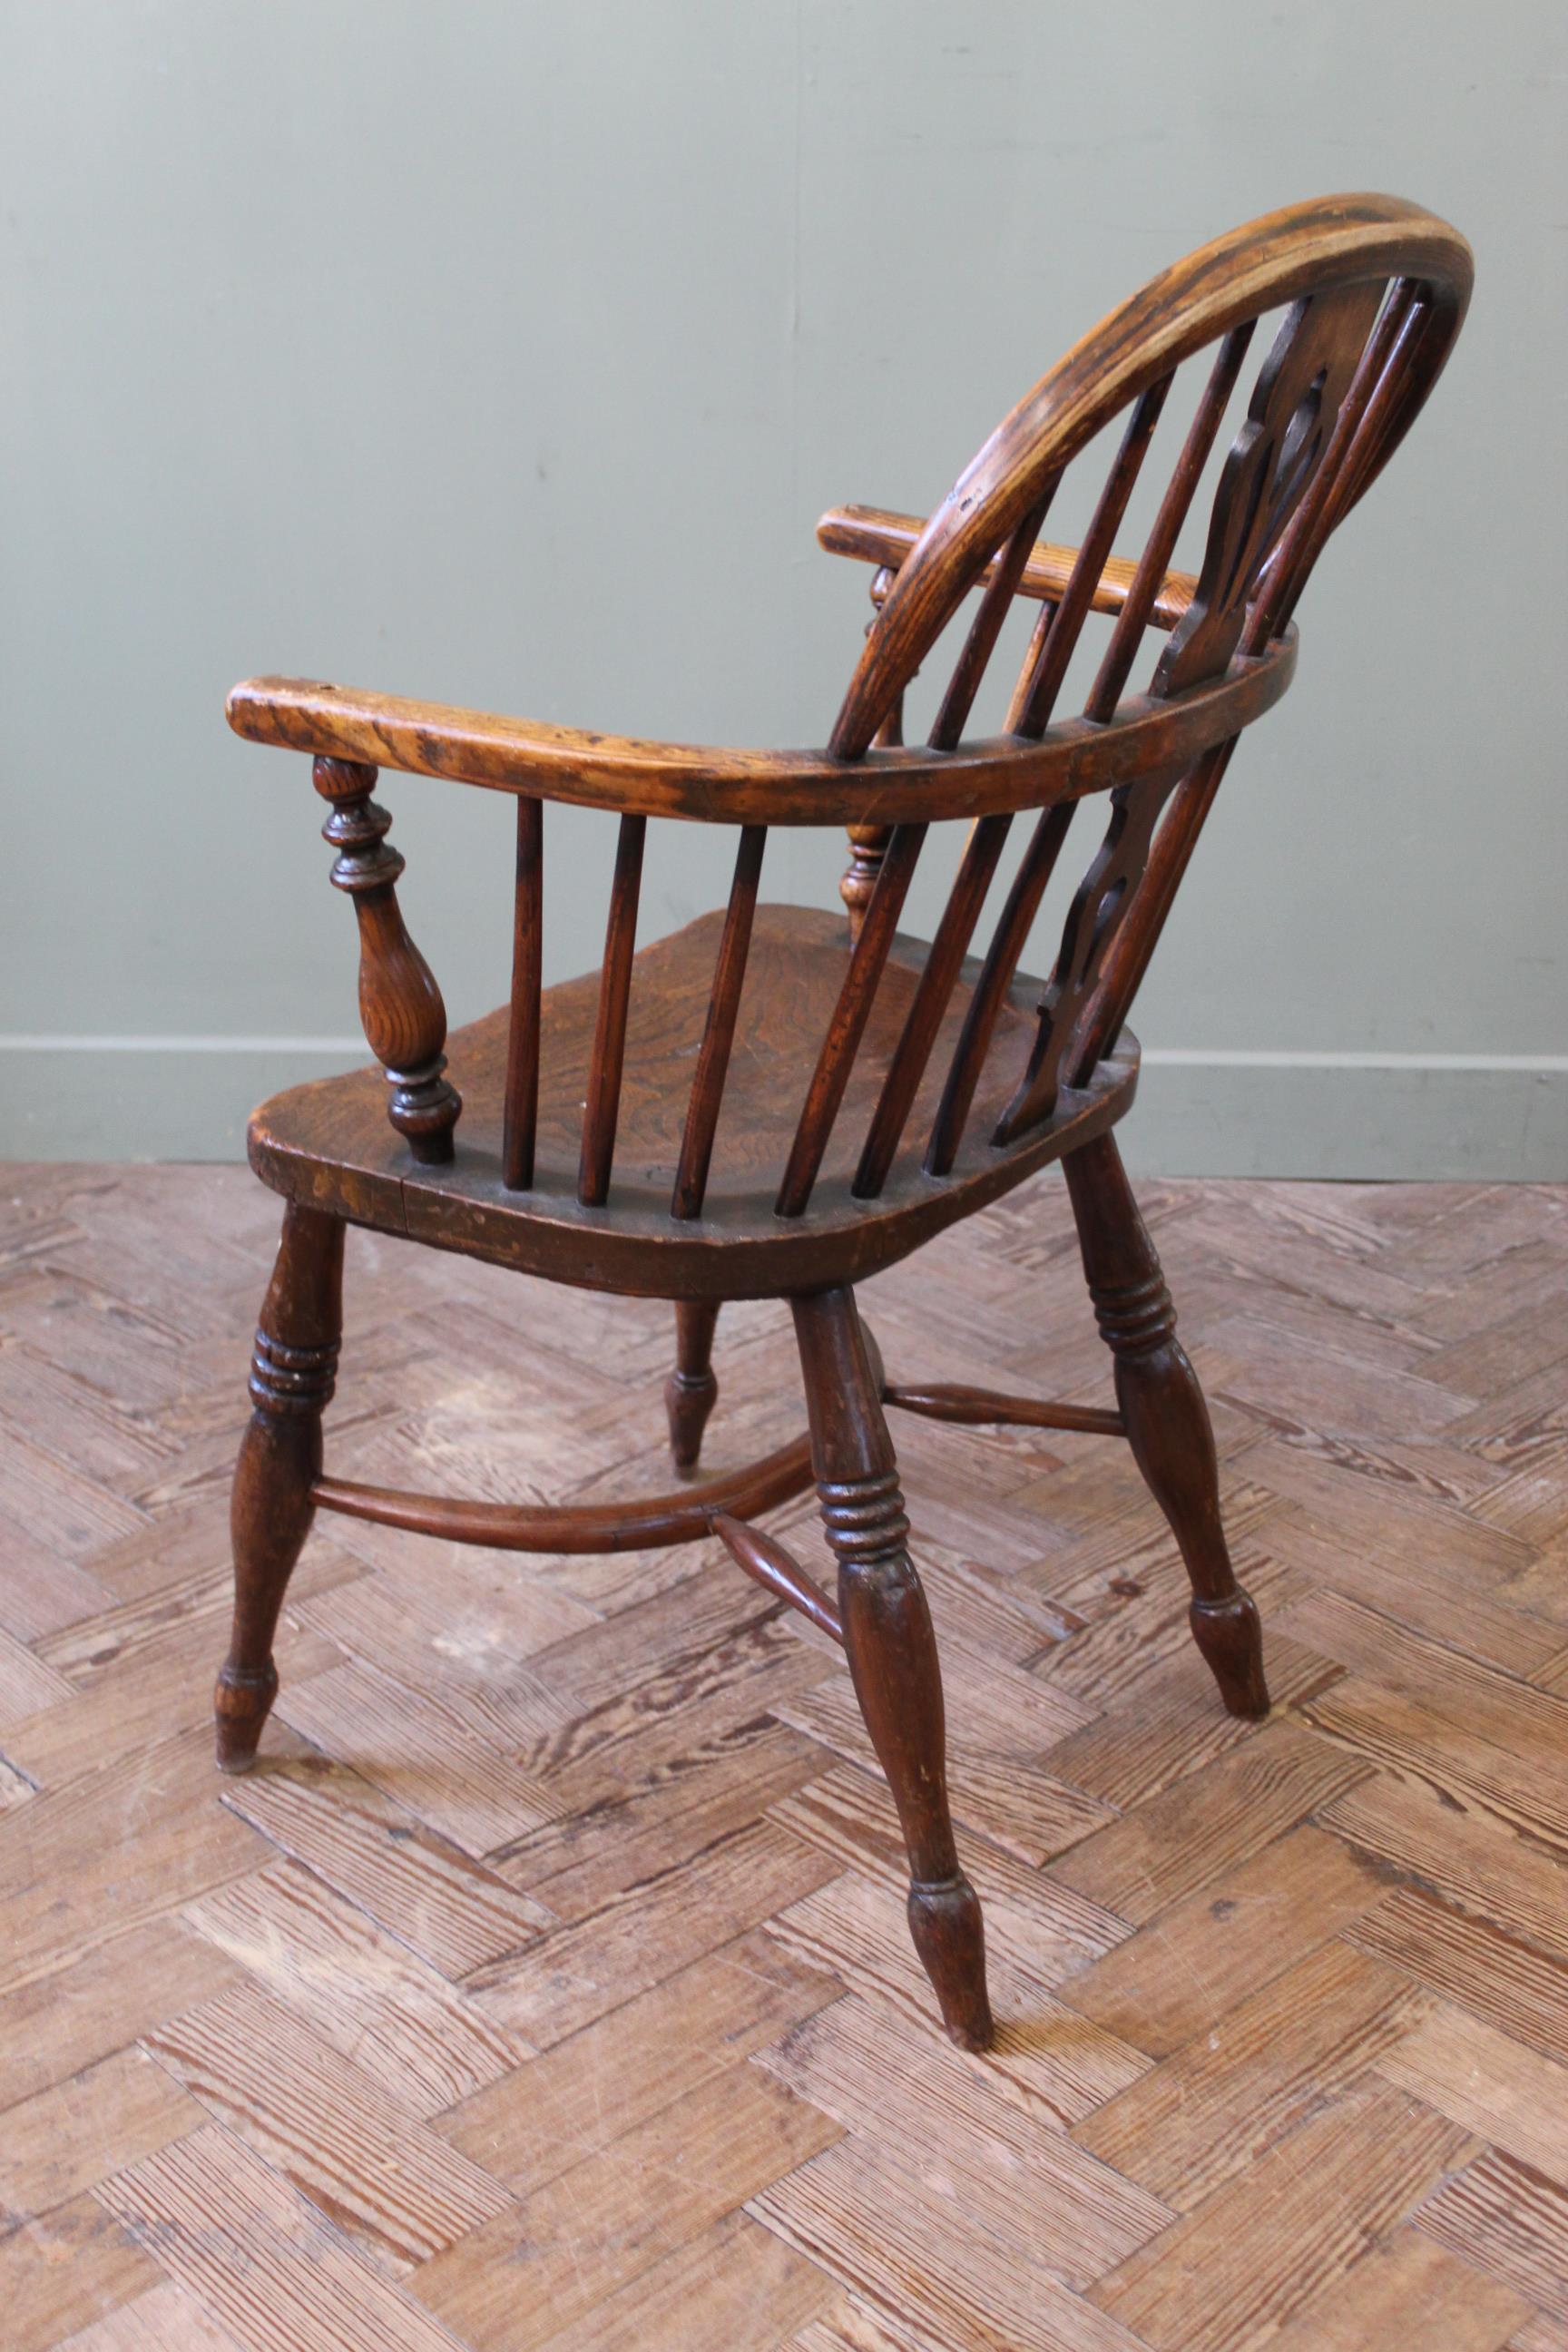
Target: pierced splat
(1290,426)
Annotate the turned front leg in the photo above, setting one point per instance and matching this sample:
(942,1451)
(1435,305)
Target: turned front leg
(891,1648)
(1167,1420)
(291,1377)
(692,1388)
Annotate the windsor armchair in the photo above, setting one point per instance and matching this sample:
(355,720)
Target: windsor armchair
(808,1100)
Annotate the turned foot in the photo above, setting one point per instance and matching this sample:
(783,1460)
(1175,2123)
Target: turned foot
(1167,1420)
(241,1705)
(891,1648)
(692,1388)
(950,1936)
(1230,1637)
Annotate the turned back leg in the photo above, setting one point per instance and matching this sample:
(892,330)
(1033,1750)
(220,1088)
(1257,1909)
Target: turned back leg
(291,1377)
(692,1387)
(891,1648)
(1167,1419)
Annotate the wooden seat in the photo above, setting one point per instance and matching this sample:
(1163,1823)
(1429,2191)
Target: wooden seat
(778,1101)
(329,1143)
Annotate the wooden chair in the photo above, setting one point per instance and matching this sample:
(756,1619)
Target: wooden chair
(806,1102)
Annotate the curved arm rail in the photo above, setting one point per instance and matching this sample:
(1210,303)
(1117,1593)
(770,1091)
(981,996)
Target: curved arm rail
(892,784)
(875,535)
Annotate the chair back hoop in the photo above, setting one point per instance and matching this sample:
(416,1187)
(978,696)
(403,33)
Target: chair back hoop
(1374,291)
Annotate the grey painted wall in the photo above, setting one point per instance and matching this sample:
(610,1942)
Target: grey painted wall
(507,353)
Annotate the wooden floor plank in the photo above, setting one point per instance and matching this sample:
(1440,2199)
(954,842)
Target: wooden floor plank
(1511,2221)
(457,2002)
(1507,2095)
(451,1910)
(1209,1822)
(624,2068)
(259,2256)
(967,2288)
(1056,2063)
(1214,2110)
(1409,2290)
(583,2236)
(1225,2277)
(933,2111)
(360,2156)
(423,2040)
(1175,1978)
(1501,1979)
(574,1974)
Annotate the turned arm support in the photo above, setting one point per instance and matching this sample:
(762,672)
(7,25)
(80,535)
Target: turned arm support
(400,1005)
(873,535)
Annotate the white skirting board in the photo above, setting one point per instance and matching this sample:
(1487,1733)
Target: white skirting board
(1368,1117)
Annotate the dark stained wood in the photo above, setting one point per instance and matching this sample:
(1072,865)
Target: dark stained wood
(1166,1418)
(892,784)
(835,1061)
(292,1373)
(972,1051)
(1148,592)
(329,1142)
(691,1389)
(995,604)
(765,1559)
(521,1114)
(891,1649)
(979,1408)
(1280,258)
(868,843)
(650,1521)
(1059,627)
(913,1051)
(875,535)
(602,1109)
(400,1006)
(724,1115)
(718,1030)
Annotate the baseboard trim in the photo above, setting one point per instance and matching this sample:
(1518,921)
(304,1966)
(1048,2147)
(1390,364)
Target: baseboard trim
(1200,1111)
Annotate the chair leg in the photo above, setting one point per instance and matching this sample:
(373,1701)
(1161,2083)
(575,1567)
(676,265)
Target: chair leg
(891,1648)
(1167,1419)
(692,1387)
(292,1377)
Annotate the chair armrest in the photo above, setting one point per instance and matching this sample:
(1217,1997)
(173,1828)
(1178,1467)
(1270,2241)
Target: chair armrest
(890,785)
(872,535)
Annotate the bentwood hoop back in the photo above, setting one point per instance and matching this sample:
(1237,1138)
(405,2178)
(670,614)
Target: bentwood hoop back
(776,1102)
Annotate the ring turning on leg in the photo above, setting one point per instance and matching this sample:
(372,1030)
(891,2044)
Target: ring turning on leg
(1167,1420)
(292,1377)
(891,1649)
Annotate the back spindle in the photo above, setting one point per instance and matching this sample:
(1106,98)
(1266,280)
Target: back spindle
(718,1031)
(602,1107)
(1058,630)
(519,1111)
(850,1014)
(1133,619)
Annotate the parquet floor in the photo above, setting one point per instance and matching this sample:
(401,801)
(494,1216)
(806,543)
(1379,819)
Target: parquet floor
(549,1986)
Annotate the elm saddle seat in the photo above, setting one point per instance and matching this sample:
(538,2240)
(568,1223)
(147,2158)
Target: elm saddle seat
(777,1102)
(329,1143)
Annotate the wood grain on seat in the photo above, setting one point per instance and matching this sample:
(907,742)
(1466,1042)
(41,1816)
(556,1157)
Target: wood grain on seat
(329,1143)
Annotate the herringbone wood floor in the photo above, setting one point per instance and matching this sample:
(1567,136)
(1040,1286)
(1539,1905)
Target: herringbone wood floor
(550,1986)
